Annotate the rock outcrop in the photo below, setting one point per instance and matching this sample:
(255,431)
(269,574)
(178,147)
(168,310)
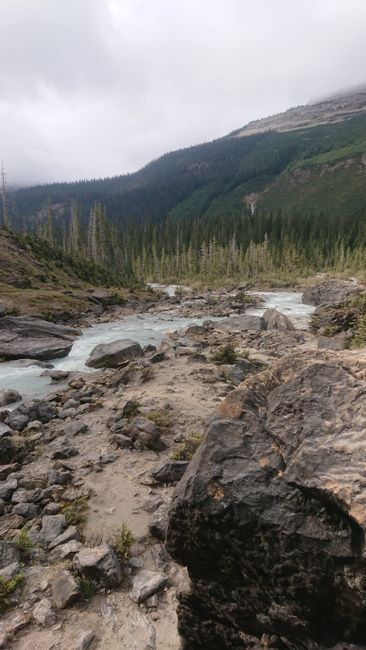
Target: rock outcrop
(31,338)
(270,516)
(329,291)
(111,355)
(276,320)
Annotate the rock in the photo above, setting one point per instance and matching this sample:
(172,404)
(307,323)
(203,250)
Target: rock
(110,355)
(5,470)
(17,421)
(2,310)
(99,563)
(9,553)
(145,584)
(58,478)
(24,337)
(5,430)
(63,451)
(270,516)
(65,551)
(240,323)
(158,524)
(169,471)
(121,440)
(43,614)
(26,510)
(152,503)
(332,342)
(329,291)
(75,428)
(85,640)
(10,521)
(21,495)
(9,396)
(52,527)
(7,489)
(70,533)
(10,571)
(2,506)
(65,589)
(158,357)
(39,410)
(275,320)
(146,432)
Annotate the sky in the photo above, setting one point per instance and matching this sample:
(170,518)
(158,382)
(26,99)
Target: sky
(95,88)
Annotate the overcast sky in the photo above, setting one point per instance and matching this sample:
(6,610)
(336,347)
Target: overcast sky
(93,88)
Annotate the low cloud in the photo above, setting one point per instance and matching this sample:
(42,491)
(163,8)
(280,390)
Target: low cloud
(91,88)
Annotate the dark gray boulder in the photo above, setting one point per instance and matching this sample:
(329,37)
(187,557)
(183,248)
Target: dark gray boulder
(270,516)
(110,355)
(32,338)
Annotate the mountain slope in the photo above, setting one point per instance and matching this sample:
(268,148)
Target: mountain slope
(310,157)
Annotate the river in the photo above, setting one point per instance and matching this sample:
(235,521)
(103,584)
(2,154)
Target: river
(144,328)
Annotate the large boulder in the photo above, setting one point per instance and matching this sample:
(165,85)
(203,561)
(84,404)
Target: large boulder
(276,320)
(111,355)
(9,396)
(270,516)
(32,338)
(240,323)
(329,291)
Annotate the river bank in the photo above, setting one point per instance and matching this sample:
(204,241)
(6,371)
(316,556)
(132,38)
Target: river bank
(106,450)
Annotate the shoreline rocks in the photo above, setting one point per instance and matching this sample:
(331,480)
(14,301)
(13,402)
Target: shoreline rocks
(111,355)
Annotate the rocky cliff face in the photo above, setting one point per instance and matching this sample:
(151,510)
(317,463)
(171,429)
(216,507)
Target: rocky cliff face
(270,516)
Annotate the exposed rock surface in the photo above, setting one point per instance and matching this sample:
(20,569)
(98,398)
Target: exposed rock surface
(9,397)
(32,338)
(110,355)
(329,291)
(99,563)
(276,320)
(270,516)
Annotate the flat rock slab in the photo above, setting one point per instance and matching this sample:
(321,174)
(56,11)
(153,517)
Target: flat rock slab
(110,355)
(32,338)
(146,584)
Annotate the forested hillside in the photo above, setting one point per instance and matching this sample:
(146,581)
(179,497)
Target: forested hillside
(265,202)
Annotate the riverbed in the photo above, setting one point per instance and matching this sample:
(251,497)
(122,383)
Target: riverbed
(146,328)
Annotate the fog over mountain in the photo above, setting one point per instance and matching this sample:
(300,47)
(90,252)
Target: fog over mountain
(139,78)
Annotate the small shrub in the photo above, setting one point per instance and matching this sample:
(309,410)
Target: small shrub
(147,374)
(244,298)
(189,447)
(75,513)
(131,408)
(225,354)
(7,588)
(87,588)
(160,419)
(121,540)
(24,543)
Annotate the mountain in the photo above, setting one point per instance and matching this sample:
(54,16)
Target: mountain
(309,158)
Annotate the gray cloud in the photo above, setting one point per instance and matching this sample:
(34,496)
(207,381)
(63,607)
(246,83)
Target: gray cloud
(90,88)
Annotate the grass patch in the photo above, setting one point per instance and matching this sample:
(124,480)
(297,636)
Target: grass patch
(24,543)
(189,447)
(87,588)
(7,587)
(121,540)
(75,513)
(225,355)
(160,419)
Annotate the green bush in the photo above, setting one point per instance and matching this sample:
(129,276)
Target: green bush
(75,512)
(121,540)
(7,587)
(225,354)
(24,543)
(187,450)
(160,419)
